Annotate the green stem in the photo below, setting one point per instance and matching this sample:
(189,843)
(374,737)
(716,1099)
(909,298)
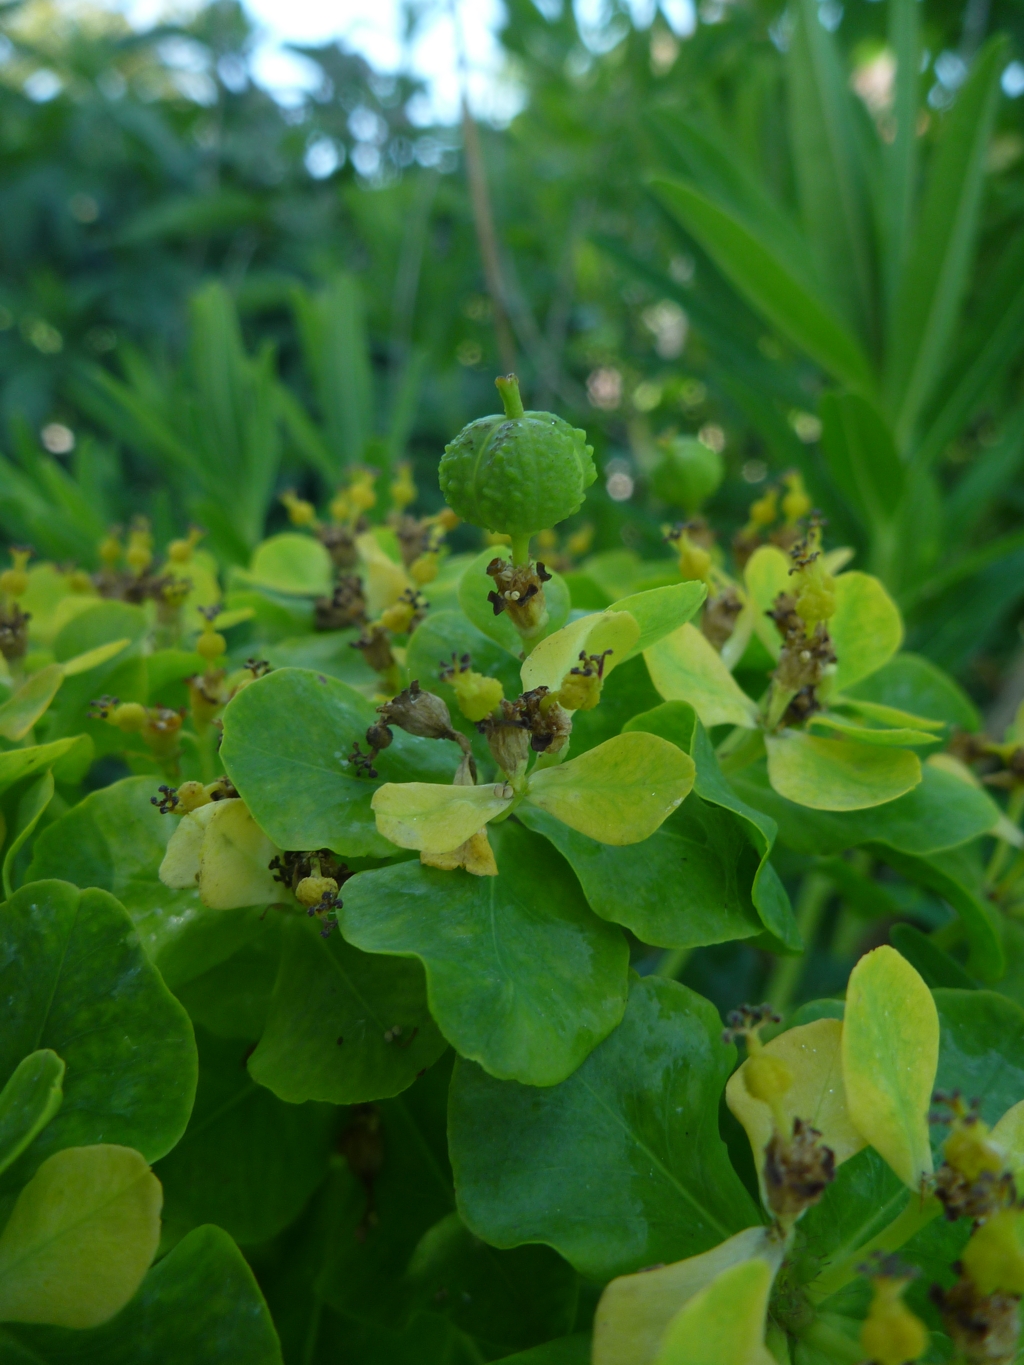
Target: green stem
(810,906)
(834,1345)
(917,1213)
(521,549)
(1002,851)
(508,386)
(672,963)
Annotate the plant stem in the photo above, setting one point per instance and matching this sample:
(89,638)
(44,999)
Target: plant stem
(833,1344)
(916,1214)
(672,962)
(810,907)
(1002,850)
(520,549)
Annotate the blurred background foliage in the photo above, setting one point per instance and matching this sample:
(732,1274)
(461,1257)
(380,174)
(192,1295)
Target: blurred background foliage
(795,232)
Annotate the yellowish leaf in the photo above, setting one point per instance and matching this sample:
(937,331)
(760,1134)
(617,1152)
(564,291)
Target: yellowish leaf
(635,1310)
(234,866)
(80,1237)
(766,574)
(618,792)
(724,1323)
(92,658)
(551,659)
(435,818)
(812,1052)
(866,630)
(180,866)
(838,774)
(475,855)
(890,1052)
(384,579)
(1009,1134)
(685,666)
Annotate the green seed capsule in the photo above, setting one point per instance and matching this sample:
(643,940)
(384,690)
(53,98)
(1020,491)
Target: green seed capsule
(687,473)
(518,473)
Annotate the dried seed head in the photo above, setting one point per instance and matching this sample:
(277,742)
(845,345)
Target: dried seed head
(798,1171)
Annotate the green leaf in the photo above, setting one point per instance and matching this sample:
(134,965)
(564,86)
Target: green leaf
(941,812)
(767,284)
(199,1304)
(676,721)
(504,1300)
(331,1030)
(829,170)
(76,980)
(444,633)
(635,1310)
(521,976)
(686,667)
(122,676)
(916,685)
(883,715)
(632,1122)
(294,564)
(427,816)
(247,1161)
(935,966)
(619,792)
(863,460)
(116,840)
(232,998)
(838,774)
(336,351)
(724,1323)
(297,780)
(950,875)
(890,1053)
(23,708)
(982,1050)
(929,300)
(866,629)
(902,737)
(16,764)
(687,885)
(660,611)
(92,658)
(474,586)
(80,1237)
(32,803)
(234,864)
(28,1102)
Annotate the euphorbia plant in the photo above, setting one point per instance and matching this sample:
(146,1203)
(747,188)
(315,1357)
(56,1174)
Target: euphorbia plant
(421,817)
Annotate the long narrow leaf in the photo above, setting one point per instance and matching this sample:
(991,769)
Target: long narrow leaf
(986,479)
(900,158)
(862,456)
(933,286)
(766,284)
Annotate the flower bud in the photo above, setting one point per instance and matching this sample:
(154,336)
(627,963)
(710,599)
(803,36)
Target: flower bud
(476,694)
(518,472)
(300,512)
(581,686)
(891,1334)
(994,1257)
(191,795)
(131,717)
(424,568)
(14,581)
(311,891)
(767,1077)
(211,644)
(795,503)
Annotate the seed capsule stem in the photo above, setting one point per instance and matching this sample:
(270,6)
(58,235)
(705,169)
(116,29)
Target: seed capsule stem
(508,386)
(521,549)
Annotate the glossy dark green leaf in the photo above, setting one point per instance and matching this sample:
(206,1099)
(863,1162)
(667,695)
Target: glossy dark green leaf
(574,1350)
(287,742)
(115,840)
(687,885)
(619,1167)
(247,1161)
(941,812)
(395,1184)
(200,1305)
(912,683)
(677,721)
(521,975)
(504,1300)
(343,1025)
(76,980)
(28,1102)
(327,652)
